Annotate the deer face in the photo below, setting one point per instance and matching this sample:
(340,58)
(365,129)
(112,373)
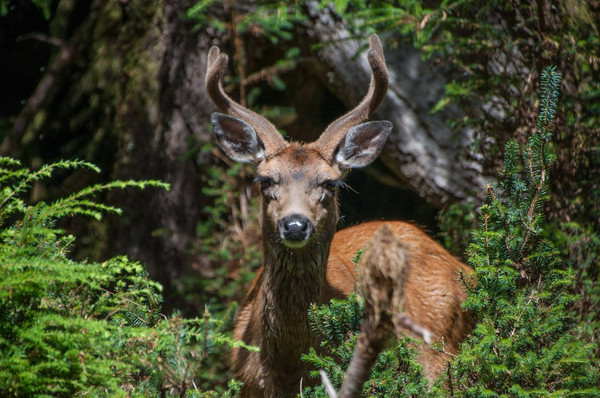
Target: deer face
(299,182)
(299,191)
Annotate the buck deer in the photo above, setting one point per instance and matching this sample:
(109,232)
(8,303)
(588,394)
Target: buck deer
(304,260)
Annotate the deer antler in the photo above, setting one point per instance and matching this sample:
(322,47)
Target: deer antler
(329,140)
(266,131)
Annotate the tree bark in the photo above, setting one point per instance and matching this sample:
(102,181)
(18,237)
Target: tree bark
(160,123)
(422,150)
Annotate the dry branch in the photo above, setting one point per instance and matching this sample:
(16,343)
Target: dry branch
(382,274)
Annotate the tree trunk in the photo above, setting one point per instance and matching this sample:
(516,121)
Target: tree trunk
(160,123)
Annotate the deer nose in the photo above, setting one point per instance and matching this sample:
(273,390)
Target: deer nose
(295,230)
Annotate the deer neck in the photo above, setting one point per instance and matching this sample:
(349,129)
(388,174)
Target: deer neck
(293,277)
(292,281)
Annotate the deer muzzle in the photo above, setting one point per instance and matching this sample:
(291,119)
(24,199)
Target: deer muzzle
(295,230)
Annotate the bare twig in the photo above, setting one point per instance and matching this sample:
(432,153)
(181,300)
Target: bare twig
(37,36)
(58,73)
(371,342)
(327,383)
(402,320)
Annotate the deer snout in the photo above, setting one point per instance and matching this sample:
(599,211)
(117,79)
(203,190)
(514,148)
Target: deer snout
(295,230)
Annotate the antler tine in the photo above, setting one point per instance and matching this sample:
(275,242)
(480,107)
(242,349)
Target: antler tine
(328,141)
(266,131)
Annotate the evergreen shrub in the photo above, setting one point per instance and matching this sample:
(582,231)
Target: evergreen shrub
(72,328)
(525,343)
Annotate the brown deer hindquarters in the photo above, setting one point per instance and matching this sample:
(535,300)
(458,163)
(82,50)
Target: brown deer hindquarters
(433,291)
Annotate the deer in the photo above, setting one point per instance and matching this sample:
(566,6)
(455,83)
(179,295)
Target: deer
(305,260)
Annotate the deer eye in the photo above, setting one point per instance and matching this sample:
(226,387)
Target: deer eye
(265,182)
(332,185)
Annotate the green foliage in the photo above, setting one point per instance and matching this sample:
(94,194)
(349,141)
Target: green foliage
(271,19)
(67,327)
(493,49)
(229,238)
(525,341)
(229,245)
(456,222)
(180,355)
(395,373)
(265,19)
(43,5)
(496,47)
(580,245)
(70,328)
(35,230)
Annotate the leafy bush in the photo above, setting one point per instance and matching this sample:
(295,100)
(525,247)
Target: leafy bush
(493,49)
(229,240)
(67,327)
(396,373)
(525,342)
(83,328)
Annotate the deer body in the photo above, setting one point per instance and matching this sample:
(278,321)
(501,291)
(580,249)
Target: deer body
(304,260)
(433,290)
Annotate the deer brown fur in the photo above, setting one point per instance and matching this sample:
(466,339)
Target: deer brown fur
(304,260)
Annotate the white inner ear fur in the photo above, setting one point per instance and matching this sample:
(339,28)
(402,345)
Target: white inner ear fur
(362,144)
(243,147)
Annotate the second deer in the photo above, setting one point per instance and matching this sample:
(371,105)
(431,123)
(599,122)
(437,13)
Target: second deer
(304,260)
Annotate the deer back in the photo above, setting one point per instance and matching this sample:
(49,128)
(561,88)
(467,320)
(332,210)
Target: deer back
(434,290)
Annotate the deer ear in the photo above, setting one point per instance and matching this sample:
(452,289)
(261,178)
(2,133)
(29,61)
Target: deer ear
(237,138)
(362,144)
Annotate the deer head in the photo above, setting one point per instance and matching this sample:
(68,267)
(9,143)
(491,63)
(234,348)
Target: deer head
(298,181)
